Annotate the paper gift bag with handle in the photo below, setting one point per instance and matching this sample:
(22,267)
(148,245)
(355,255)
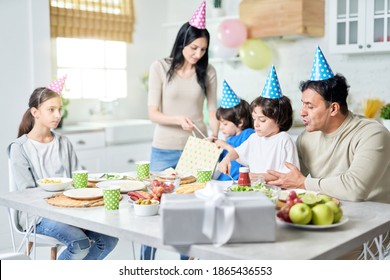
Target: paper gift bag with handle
(198,154)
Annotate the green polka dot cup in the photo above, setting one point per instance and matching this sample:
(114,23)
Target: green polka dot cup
(80,178)
(204,175)
(143,169)
(111,196)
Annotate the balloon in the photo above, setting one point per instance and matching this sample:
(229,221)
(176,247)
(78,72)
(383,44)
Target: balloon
(232,33)
(219,51)
(255,54)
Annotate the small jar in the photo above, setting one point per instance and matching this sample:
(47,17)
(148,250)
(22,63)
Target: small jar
(243,179)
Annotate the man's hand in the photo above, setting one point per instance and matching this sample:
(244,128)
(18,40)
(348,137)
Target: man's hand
(292,180)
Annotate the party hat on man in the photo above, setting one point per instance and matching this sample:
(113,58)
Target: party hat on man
(321,69)
(198,20)
(272,87)
(57,85)
(229,98)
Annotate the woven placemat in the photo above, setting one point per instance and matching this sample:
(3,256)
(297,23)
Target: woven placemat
(64,201)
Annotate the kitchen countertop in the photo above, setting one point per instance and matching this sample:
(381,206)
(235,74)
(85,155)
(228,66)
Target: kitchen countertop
(116,131)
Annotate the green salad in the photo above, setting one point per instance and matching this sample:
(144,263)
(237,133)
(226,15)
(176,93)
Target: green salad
(260,187)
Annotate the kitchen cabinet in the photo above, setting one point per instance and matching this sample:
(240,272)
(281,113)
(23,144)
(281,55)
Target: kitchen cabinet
(283,18)
(122,158)
(358,26)
(90,149)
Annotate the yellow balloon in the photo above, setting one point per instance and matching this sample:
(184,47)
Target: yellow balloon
(255,54)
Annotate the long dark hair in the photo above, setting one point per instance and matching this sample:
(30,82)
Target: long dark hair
(38,96)
(278,109)
(186,35)
(238,113)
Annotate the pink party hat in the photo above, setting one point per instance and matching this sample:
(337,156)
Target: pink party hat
(57,85)
(272,87)
(198,20)
(229,98)
(321,69)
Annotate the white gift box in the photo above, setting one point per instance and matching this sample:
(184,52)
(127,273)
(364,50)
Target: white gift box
(240,217)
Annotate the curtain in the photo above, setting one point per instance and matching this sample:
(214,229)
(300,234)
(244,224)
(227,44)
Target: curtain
(92,19)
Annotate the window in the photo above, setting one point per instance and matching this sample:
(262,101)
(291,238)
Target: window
(89,45)
(94,68)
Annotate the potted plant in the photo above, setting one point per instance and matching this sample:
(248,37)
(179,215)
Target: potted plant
(65,103)
(385,115)
(217,10)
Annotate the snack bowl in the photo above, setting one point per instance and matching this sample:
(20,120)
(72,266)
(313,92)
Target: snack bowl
(141,209)
(54,184)
(163,184)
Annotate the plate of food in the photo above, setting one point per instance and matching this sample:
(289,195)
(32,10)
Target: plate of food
(272,192)
(84,193)
(54,184)
(99,177)
(343,220)
(125,185)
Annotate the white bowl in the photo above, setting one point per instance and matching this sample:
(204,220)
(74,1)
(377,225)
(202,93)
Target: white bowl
(146,210)
(54,184)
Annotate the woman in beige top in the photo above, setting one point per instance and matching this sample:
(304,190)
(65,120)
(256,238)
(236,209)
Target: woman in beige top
(178,87)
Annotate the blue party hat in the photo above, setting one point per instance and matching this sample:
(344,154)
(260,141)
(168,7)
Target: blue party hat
(272,87)
(229,98)
(321,70)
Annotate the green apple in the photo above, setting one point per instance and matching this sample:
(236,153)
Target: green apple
(325,198)
(322,215)
(310,199)
(300,213)
(337,211)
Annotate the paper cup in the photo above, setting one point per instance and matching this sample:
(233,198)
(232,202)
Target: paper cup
(143,169)
(204,176)
(80,178)
(111,196)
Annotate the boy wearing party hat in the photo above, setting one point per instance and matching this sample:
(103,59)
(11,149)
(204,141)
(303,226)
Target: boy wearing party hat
(271,146)
(235,122)
(343,155)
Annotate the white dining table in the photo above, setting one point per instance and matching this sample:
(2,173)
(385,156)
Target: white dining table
(366,220)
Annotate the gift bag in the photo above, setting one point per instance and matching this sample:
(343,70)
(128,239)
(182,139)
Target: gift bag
(198,154)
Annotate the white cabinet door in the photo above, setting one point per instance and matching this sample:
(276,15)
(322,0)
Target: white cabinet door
(358,26)
(90,149)
(122,158)
(93,160)
(378,25)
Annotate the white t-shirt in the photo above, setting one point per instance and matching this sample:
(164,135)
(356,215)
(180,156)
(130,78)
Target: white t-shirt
(47,157)
(263,153)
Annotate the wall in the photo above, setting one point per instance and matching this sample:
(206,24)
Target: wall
(25,63)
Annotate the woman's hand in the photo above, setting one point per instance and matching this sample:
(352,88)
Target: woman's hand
(185,123)
(294,179)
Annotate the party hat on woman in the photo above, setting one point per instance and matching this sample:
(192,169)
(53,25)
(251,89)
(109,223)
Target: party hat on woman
(229,98)
(198,20)
(272,87)
(321,69)
(57,85)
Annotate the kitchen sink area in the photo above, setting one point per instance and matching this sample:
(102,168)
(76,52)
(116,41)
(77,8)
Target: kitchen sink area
(113,145)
